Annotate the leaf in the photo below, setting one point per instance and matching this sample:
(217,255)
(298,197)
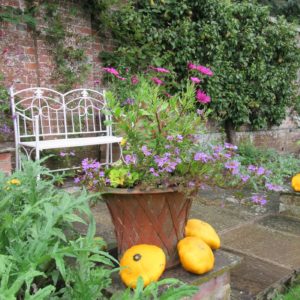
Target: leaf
(74,218)
(60,264)
(41,293)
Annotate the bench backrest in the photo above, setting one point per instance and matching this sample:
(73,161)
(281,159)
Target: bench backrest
(80,112)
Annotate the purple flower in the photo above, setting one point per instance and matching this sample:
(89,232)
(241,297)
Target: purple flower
(202,97)
(177,151)
(76,180)
(146,151)
(179,138)
(157,81)
(260,171)
(252,168)
(230,146)
(205,70)
(128,101)
(195,79)
(72,153)
(273,187)
(233,166)
(153,172)
(259,199)
(245,178)
(107,181)
(170,138)
(201,156)
(191,184)
(130,159)
(101,174)
(62,154)
(167,147)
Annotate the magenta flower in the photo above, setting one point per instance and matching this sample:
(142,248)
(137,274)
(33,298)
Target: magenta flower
(195,79)
(205,71)
(134,80)
(111,71)
(202,97)
(120,77)
(191,66)
(157,81)
(159,70)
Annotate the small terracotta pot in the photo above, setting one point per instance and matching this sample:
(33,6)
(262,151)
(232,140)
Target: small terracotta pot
(155,217)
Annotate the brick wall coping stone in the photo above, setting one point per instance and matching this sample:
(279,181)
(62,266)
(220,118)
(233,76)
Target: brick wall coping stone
(6,149)
(224,262)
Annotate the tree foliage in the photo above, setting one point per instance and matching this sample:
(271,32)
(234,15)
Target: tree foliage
(255,61)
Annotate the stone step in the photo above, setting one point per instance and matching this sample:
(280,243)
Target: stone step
(271,256)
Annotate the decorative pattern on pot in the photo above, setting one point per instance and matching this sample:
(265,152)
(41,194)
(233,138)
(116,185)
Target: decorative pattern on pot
(157,217)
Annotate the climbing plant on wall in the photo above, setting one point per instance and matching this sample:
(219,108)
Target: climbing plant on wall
(255,61)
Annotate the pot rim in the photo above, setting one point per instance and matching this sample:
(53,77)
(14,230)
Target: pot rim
(122,191)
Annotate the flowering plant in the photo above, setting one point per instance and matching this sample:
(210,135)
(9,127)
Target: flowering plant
(162,142)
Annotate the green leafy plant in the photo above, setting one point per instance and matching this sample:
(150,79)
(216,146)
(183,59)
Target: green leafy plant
(41,253)
(281,166)
(175,290)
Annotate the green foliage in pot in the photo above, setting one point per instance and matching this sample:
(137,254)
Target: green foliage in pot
(255,60)
(163,146)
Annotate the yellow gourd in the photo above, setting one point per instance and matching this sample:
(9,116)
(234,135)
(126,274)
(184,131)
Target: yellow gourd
(296,182)
(195,255)
(147,261)
(204,231)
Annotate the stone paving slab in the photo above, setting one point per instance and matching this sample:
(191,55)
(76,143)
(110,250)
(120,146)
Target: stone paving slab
(258,241)
(255,278)
(282,223)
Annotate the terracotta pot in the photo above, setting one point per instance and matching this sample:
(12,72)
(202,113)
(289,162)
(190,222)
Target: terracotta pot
(156,217)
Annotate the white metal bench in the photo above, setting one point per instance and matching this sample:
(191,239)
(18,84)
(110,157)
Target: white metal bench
(46,119)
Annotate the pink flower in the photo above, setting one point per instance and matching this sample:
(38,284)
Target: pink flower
(134,80)
(202,97)
(160,70)
(157,81)
(205,71)
(191,66)
(121,78)
(195,79)
(111,71)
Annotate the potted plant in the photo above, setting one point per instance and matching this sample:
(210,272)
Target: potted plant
(165,159)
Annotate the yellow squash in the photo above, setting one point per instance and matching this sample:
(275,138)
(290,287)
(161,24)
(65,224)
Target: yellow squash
(296,182)
(147,261)
(204,231)
(195,255)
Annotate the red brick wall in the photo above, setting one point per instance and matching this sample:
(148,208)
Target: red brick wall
(27,61)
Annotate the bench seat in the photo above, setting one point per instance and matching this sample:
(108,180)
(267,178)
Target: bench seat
(72,142)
